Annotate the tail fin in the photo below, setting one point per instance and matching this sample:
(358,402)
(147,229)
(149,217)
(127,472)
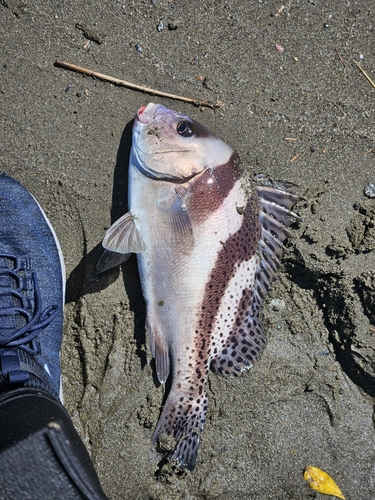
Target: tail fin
(182,419)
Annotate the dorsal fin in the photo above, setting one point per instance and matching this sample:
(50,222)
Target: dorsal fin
(274,217)
(246,338)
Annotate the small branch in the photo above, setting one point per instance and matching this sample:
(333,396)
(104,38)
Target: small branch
(366,75)
(294,158)
(341,59)
(279,11)
(140,88)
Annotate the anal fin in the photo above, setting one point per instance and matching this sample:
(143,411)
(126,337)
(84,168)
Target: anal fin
(160,352)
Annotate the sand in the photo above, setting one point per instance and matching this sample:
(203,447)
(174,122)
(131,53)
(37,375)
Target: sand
(305,115)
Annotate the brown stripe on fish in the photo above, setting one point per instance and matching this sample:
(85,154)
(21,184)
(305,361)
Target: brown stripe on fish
(239,249)
(200,131)
(208,191)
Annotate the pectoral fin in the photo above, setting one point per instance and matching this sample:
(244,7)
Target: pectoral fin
(109,260)
(124,237)
(175,222)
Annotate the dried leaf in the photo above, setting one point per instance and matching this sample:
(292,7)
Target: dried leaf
(322,482)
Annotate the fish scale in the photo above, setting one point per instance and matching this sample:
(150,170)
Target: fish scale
(207,252)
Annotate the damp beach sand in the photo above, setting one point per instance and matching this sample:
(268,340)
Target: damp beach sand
(297,108)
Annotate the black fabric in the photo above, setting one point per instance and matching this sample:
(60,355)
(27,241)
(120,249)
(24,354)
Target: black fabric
(41,454)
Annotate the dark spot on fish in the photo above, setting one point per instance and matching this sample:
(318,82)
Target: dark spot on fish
(154,131)
(161,303)
(200,130)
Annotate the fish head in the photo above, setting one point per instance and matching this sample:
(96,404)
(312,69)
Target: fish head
(172,147)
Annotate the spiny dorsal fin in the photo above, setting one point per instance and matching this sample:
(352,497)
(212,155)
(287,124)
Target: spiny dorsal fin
(274,217)
(123,236)
(277,197)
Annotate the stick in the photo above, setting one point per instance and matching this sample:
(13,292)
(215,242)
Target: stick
(366,75)
(294,158)
(123,83)
(341,59)
(280,10)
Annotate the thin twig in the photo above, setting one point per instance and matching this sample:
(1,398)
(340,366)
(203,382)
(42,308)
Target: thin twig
(280,10)
(294,158)
(366,75)
(341,59)
(141,88)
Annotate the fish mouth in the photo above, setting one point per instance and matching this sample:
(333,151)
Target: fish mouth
(159,176)
(145,113)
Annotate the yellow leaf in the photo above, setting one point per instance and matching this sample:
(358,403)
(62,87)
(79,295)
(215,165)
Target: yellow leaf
(322,482)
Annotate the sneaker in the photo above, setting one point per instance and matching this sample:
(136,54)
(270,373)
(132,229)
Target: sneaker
(32,288)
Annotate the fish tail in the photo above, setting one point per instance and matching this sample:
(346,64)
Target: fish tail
(182,419)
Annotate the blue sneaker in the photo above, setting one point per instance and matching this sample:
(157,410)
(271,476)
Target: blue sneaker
(32,287)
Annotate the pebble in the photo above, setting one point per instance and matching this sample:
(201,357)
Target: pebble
(138,48)
(370,190)
(160,26)
(277,304)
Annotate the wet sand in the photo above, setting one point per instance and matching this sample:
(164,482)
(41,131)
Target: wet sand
(305,115)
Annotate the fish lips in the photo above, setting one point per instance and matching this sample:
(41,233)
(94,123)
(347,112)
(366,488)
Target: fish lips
(142,116)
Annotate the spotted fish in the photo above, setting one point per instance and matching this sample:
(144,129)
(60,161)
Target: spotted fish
(207,251)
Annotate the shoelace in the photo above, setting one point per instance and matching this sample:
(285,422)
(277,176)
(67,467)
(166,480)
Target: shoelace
(25,337)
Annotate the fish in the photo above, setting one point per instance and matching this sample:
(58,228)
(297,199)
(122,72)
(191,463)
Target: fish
(207,249)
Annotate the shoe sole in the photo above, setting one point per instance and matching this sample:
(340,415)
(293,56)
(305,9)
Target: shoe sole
(63,272)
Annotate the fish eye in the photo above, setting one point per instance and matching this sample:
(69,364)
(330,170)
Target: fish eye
(185,129)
